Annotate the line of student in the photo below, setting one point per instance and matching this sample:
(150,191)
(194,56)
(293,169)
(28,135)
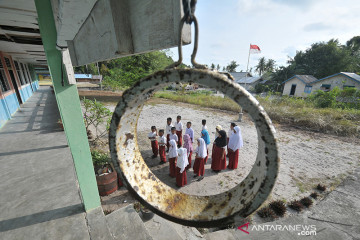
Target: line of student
(180,154)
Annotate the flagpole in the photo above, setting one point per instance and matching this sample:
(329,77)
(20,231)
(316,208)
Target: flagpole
(247,66)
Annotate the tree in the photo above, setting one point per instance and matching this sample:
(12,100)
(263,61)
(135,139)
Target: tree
(353,45)
(124,72)
(270,65)
(231,67)
(261,66)
(212,66)
(218,67)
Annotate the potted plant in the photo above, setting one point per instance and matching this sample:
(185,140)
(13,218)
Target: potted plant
(146,214)
(106,177)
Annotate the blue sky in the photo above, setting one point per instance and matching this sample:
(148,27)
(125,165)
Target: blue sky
(278,27)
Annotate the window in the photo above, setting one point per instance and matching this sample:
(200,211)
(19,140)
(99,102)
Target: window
(24,72)
(27,72)
(308,89)
(325,87)
(348,86)
(4,83)
(20,75)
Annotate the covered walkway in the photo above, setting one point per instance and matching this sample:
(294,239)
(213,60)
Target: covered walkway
(39,194)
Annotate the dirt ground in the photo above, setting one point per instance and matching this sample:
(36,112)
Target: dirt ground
(307,158)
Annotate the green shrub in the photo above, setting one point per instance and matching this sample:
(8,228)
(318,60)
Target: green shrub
(99,158)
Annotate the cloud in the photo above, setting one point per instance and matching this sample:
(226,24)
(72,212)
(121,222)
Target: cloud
(318,26)
(303,4)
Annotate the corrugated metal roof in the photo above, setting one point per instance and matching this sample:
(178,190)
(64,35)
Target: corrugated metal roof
(89,76)
(352,75)
(240,75)
(307,79)
(248,80)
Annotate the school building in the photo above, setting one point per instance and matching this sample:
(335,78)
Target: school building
(18,83)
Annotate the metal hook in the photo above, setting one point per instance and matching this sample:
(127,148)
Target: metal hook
(193,55)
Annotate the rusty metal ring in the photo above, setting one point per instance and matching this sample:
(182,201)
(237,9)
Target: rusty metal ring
(191,210)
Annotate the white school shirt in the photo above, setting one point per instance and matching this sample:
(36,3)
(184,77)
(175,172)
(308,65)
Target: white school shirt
(162,140)
(190,131)
(168,129)
(152,135)
(178,126)
(174,136)
(230,132)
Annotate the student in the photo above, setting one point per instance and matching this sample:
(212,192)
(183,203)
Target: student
(162,144)
(189,148)
(218,162)
(217,129)
(205,135)
(201,154)
(172,157)
(168,131)
(173,135)
(203,122)
(235,143)
(154,143)
(181,164)
(230,132)
(189,131)
(179,127)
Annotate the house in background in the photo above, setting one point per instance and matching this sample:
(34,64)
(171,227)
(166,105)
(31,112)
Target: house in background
(88,78)
(341,80)
(246,80)
(299,85)
(249,83)
(303,85)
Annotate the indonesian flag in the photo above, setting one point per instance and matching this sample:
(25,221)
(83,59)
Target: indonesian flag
(254,49)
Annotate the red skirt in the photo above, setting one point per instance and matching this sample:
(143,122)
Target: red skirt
(199,166)
(218,158)
(179,134)
(189,158)
(167,141)
(162,153)
(181,178)
(172,167)
(233,159)
(155,147)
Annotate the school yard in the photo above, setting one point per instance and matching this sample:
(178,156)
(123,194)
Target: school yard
(307,158)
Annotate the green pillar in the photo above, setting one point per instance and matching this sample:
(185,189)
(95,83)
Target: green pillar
(67,98)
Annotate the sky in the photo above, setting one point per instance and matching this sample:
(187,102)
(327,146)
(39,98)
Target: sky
(278,27)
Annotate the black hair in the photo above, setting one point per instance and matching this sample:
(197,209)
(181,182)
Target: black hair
(169,119)
(203,121)
(153,127)
(173,128)
(233,124)
(161,131)
(189,123)
(178,117)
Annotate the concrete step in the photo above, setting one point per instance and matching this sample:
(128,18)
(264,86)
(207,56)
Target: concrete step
(162,229)
(125,223)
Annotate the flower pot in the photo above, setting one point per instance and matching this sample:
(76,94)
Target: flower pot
(107,184)
(146,214)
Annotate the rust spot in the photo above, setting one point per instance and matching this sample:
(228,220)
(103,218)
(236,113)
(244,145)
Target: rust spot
(223,204)
(216,212)
(210,205)
(128,136)
(136,188)
(229,195)
(229,212)
(266,150)
(143,192)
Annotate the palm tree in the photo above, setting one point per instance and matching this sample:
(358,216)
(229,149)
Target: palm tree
(261,67)
(270,65)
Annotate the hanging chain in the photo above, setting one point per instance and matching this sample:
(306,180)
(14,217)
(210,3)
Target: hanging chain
(189,17)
